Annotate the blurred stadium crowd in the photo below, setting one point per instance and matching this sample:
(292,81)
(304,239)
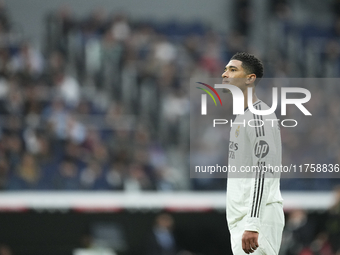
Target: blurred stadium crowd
(307,233)
(105,105)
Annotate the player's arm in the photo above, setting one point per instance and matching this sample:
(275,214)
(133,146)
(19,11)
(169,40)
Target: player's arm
(263,154)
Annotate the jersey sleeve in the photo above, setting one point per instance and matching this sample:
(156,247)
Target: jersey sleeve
(264,154)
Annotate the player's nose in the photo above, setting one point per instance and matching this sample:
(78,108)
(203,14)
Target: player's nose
(225,74)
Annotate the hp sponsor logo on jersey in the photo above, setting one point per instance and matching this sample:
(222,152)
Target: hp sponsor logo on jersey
(261,149)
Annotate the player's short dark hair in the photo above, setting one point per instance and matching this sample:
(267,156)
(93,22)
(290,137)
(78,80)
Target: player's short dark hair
(250,63)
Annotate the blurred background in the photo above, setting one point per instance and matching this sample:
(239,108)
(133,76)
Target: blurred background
(94,132)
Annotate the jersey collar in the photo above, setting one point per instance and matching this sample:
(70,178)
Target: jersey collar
(256,103)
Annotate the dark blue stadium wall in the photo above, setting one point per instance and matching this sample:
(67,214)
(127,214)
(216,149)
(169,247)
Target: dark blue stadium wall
(28,233)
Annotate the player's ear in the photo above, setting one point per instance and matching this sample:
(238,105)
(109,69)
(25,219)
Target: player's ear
(251,79)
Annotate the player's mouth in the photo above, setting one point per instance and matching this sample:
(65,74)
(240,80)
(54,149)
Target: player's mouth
(225,90)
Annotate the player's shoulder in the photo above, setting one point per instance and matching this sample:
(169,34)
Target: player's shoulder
(264,106)
(248,112)
(259,106)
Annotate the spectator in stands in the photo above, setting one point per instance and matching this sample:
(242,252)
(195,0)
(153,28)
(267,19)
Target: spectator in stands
(56,116)
(162,240)
(75,130)
(4,172)
(27,175)
(96,23)
(297,234)
(65,18)
(120,28)
(320,245)
(115,176)
(92,176)
(14,103)
(56,63)
(333,222)
(67,88)
(67,177)
(4,18)
(27,61)
(5,250)
(136,179)
(13,146)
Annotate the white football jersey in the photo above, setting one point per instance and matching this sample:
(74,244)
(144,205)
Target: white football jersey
(255,143)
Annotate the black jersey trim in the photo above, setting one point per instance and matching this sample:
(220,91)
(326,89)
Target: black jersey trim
(255,189)
(258,192)
(259,128)
(261,117)
(256,103)
(258,125)
(255,118)
(261,195)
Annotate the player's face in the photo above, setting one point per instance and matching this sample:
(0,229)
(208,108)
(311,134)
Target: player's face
(235,74)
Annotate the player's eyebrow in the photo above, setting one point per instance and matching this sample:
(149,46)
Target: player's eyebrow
(230,67)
